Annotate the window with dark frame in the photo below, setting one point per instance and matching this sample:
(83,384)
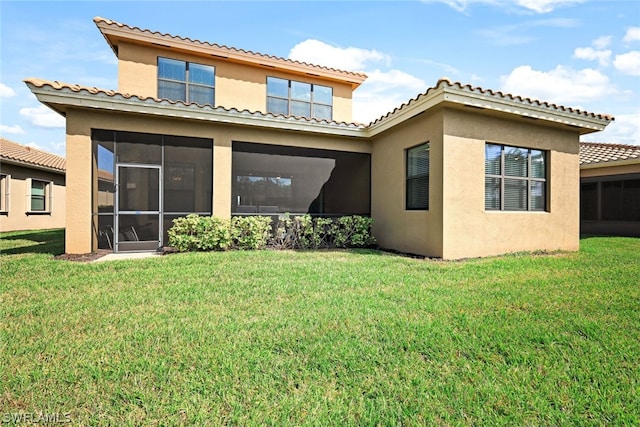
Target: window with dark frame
(293,98)
(515,178)
(417,165)
(186,81)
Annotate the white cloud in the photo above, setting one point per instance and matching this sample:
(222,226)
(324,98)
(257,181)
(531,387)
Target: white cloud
(42,116)
(384,91)
(538,6)
(591,54)
(602,42)
(562,85)
(628,63)
(513,34)
(545,6)
(15,129)
(6,91)
(33,145)
(350,58)
(633,35)
(625,129)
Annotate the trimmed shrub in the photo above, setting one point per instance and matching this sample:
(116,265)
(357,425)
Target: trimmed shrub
(306,232)
(203,233)
(352,232)
(250,232)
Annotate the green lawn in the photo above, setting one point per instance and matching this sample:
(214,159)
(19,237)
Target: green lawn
(322,337)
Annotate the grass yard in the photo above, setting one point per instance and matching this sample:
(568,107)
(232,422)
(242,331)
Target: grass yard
(321,337)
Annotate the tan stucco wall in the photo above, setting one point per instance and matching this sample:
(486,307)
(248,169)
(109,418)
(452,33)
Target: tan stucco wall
(236,85)
(456,224)
(605,170)
(17,218)
(416,232)
(80,164)
(469,230)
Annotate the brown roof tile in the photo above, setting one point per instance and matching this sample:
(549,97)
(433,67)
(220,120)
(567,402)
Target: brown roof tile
(99,20)
(498,94)
(441,83)
(112,93)
(601,152)
(15,152)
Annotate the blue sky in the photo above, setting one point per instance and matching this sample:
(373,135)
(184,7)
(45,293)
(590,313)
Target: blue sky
(577,53)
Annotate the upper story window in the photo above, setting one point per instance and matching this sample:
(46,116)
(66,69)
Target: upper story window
(293,98)
(186,81)
(515,178)
(418,177)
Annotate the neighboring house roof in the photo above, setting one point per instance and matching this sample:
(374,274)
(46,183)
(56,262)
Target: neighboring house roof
(606,154)
(114,31)
(15,153)
(104,175)
(59,95)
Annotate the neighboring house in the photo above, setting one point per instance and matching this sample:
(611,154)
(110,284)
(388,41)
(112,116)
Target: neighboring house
(32,188)
(195,127)
(609,189)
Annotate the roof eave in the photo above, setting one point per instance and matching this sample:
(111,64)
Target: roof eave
(31,165)
(610,163)
(61,99)
(111,31)
(583,123)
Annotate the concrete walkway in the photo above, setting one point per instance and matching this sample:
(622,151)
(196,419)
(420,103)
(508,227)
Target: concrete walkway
(126,255)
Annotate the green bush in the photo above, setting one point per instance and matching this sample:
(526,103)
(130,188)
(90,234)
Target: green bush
(195,232)
(352,232)
(306,232)
(250,232)
(204,233)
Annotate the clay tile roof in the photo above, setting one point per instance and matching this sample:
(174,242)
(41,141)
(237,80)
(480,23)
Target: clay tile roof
(28,156)
(60,86)
(99,20)
(445,82)
(601,152)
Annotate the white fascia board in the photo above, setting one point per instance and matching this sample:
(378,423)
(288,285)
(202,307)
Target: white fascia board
(117,103)
(587,122)
(610,163)
(452,95)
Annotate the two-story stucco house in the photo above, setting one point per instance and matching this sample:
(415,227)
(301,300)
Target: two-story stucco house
(195,127)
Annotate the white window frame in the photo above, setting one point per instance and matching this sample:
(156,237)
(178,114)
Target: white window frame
(5,192)
(48,196)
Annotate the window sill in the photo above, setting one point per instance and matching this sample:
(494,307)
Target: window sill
(38,213)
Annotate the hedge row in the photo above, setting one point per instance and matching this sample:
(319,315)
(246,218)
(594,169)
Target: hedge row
(207,233)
